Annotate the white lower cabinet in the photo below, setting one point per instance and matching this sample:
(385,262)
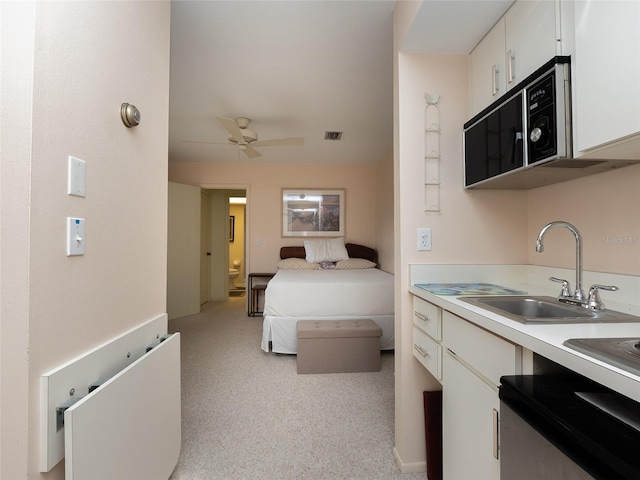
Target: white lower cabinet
(473,362)
(469,362)
(469,406)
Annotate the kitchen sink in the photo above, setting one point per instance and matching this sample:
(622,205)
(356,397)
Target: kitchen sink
(526,309)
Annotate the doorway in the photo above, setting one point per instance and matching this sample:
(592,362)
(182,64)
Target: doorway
(226,243)
(237,245)
(198,254)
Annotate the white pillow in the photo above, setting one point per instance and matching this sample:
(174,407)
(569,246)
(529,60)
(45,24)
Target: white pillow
(354,264)
(325,250)
(297,264)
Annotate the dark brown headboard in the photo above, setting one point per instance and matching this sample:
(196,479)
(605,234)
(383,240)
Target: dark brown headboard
(353,249)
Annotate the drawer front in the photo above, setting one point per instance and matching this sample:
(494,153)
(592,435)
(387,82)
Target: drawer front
(428,352)
(489,355)
(428,318)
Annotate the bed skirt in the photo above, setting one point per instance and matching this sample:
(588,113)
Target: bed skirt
(281,331)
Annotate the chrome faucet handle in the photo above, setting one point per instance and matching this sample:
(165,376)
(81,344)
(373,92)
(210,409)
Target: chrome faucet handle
(566,289)
(594,302)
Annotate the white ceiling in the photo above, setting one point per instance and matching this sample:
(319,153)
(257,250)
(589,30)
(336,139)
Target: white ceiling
(300,68)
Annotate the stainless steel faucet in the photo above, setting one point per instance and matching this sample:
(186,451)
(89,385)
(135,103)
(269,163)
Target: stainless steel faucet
(578,298)
(579,292)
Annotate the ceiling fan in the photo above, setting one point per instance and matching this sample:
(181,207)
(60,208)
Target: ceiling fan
(246,139)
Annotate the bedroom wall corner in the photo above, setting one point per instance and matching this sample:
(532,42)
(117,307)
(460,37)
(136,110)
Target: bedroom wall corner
(265,183)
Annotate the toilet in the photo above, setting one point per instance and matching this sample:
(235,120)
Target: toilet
(233,273)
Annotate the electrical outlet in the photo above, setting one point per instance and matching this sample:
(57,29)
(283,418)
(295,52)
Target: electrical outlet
(424,239)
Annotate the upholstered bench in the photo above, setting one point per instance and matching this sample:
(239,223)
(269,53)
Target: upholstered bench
(338,346)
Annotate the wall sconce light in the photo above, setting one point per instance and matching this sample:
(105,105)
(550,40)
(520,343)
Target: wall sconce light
(130,115)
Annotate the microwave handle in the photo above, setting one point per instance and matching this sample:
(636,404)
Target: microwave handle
(517,137)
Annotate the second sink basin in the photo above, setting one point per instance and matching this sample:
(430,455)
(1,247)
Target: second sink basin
(525,309)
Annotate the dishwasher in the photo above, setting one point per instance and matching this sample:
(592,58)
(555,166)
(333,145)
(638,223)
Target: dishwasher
(564,426)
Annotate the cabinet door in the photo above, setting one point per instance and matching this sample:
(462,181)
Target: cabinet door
(531,39)
(488,69)
(607,72)
(488,354)
(469,424)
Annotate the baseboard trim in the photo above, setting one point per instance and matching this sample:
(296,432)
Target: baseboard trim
(414,467)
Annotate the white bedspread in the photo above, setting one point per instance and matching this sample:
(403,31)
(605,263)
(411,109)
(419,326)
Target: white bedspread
(294,295)
(300,293)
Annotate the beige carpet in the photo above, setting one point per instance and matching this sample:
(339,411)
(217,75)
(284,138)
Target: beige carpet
(247,414)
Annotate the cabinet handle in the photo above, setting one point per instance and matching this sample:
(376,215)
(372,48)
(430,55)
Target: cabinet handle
(496,431)
(420,316)
(494,78)
(510,59)
(423,353)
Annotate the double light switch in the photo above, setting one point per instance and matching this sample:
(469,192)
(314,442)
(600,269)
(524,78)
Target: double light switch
(76,186)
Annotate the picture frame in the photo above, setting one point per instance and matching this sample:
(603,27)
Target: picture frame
(232,228)
(308,212)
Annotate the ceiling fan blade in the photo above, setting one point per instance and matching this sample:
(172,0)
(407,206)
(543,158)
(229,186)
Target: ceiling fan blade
(279,142)
(250,152)
(231,126)
(206,143)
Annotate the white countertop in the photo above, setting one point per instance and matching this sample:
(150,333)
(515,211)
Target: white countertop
(546,339)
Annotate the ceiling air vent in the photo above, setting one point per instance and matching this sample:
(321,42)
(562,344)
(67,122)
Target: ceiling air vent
(332,135)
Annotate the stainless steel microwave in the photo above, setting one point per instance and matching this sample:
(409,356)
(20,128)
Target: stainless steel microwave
(527,127)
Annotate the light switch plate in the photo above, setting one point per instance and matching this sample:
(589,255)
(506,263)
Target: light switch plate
(75,236)
(77,184)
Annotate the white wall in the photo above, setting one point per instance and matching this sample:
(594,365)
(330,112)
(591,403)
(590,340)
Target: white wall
(605,208)
(16,103)
(67,67)
(471,227)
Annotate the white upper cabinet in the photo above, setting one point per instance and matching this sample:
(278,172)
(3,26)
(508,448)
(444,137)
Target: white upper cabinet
(531,38)
(524,39)
(606,84)
(488,79)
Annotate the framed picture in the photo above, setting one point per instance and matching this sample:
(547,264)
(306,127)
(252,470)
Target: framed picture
(313,213)
(232,228)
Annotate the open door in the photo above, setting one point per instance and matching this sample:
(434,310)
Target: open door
(183,250)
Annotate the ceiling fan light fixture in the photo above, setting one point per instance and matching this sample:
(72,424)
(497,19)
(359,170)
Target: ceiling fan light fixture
(243,122)
(332,135)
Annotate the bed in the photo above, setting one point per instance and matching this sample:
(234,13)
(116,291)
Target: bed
(351,288)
